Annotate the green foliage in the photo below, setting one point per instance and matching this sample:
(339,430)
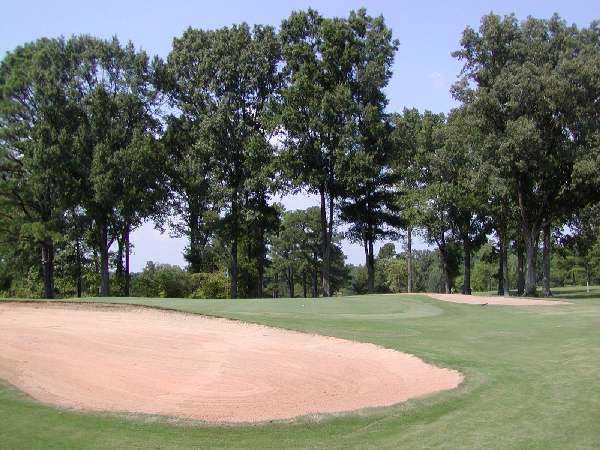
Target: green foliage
(162,280)
(395,272)
(120,165)
(358,280)
(223,83)
(210,285)
(296,256)
(332,108)
(37,129)
(28,285)
(168,281)
(484,275)
(530,89)
(387,251)
(95,139)
(391,272)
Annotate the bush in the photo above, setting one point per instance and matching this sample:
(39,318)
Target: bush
(396,275)
(162,280)
(28,286)
(210,285)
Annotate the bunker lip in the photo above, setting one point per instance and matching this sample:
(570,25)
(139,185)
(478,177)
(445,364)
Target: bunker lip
(498,300)
(151,361)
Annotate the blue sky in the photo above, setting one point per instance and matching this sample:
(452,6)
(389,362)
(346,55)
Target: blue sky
(423,71)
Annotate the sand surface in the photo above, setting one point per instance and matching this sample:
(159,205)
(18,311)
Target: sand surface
(506,301)
(158,362)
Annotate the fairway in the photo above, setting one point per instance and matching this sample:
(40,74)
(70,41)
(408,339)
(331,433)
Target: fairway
(531,380)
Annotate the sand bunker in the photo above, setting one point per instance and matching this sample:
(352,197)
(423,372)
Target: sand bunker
(506,301)
(158,362)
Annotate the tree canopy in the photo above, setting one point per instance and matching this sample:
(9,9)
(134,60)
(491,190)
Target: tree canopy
(97,138)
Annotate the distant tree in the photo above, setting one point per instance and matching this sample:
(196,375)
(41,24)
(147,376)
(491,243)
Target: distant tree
(395,275)
(409,141)
(535,86)
(295,250)
(288,249)
(74,253)
(357,284)
(484,268)
(432,201)
(500,206)
(162,280)
(210,285)
(461,186)
(194,196)
(369,202)
(19,254)
(583,238)
(429,276)
(387,251)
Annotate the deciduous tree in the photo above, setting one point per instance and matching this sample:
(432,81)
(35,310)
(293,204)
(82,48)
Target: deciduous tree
(535,84)
(37,124)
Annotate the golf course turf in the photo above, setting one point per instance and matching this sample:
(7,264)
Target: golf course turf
(532,380)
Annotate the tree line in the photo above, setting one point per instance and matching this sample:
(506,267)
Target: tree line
(97,137)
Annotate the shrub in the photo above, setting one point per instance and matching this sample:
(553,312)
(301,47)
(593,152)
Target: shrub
(210,285)
(162,280)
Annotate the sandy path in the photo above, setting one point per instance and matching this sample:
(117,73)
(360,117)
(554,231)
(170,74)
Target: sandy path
(158,362)
(506,301)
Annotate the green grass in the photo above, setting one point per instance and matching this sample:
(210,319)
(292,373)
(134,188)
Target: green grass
(532,380)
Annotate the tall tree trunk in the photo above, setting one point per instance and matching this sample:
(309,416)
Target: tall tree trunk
(520,267)
(260,263)
(127,274)
(104,264)
(234,267)
(369,263)
(445,269)
(325,244)
(467,267)
(409,285)
(530,229)
(48,268)
(371,266)
(78,275)
(330,244)
(504,258)
(314,278)
(531,237)
(234,246)
(304,284)
(500,272)
(119,270)
(193,256)
(546,261)
(291,282)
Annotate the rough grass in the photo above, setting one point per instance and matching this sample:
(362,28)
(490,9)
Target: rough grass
(532,380)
